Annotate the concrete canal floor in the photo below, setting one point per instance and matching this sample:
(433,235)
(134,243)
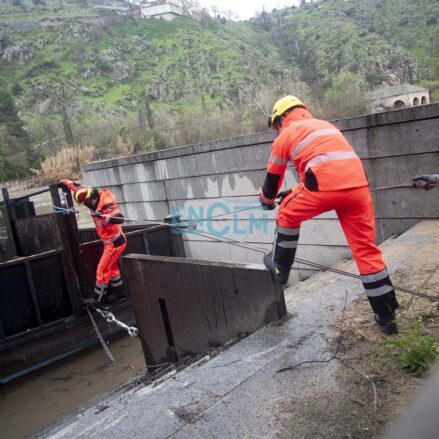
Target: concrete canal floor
(241,393)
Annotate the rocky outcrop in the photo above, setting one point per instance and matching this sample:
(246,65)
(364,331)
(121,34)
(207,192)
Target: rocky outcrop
(19,51)
(399,68)
(122,71)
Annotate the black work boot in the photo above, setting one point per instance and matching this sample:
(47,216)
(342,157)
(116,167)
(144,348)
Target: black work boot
(279,275)
(115,293)
(387,323)
(90,302)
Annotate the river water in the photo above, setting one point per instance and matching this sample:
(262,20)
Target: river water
(33,402)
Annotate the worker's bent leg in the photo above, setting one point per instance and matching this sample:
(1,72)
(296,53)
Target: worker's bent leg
(103,271)
(299,206)
(357,219)
(115,279)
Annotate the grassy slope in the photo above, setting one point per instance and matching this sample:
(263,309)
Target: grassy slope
(199,64)
(359,35)
(183,55)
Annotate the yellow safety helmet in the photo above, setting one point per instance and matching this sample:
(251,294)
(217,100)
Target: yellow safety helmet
(83,194)
(280,107)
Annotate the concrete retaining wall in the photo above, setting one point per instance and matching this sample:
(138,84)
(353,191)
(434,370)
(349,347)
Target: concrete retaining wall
(213,178)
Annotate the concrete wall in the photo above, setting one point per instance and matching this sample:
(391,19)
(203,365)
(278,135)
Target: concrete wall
(211,178)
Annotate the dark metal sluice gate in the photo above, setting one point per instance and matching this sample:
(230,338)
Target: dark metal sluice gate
(185,307)
(47,268)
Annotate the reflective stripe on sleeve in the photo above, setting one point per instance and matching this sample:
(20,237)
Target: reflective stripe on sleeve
(278,160)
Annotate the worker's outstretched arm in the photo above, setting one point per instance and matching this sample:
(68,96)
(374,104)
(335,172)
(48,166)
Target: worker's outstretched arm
(277,165)
(425,181)
(69,184)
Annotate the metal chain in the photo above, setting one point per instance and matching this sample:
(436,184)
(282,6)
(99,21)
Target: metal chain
(132,331)
(111,318)
(100,337)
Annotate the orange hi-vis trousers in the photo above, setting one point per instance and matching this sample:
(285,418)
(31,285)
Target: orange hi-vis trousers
(108,272)
(354,208)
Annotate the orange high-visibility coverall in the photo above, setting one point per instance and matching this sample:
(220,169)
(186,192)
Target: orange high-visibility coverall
(105,213)
(332,178)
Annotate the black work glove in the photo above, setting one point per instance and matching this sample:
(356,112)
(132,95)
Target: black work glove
(425,182)
(283,194)
(266,206)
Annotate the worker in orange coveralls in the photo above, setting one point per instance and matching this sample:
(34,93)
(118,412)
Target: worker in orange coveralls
(108,219)
(331,178)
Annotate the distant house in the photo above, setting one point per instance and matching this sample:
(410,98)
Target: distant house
(165,9)
(114,9)
(398,96)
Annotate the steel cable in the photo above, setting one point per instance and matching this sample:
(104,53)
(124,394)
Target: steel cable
(262,250)
(309,263)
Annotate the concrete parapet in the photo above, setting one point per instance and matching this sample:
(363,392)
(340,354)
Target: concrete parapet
(227,175)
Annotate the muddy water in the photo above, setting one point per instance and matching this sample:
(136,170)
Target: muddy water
(36,401)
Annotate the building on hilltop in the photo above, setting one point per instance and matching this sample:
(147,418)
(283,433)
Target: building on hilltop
(113,9)
(399,96)
(165,9)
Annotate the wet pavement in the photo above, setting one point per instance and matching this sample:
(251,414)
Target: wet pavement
(240,393)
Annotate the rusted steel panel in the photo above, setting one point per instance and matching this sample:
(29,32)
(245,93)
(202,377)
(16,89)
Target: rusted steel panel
(37,234)
(7,242)
(17,311)
(185,307)
(33,293)
(51,288)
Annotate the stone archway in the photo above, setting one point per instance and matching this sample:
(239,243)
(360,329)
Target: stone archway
(398,104)
(424,100)
(415,102)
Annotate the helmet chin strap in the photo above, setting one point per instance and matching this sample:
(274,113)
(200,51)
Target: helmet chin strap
(92,202)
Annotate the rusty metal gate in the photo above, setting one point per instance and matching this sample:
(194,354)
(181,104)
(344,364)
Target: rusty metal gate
(50,269)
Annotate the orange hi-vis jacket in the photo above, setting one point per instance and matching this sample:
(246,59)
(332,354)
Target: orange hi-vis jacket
(322,156)
(106,209)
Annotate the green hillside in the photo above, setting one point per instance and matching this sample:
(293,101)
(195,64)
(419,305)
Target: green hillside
(383,41)
(74,70)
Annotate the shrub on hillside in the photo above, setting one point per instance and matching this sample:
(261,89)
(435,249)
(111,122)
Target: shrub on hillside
(66,162)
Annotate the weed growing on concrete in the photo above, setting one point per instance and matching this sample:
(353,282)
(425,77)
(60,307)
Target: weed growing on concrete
(413,349)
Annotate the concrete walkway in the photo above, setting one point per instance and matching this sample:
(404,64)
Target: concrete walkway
(239,394)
